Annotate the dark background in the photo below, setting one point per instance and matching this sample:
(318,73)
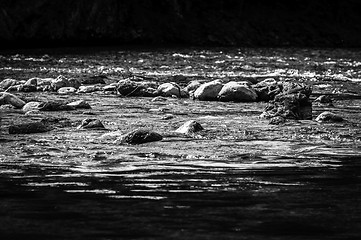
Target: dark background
(299,23)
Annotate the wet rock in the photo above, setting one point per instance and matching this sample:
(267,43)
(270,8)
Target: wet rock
(237,92)
(88,89)
(59,82)
(55,106)
(292,103)
(8,98)
(91,123)
(277,120)
(329,117)
(66,90)
(190,127)
(31,106)
(267,89)
(208,91)
(80,104)
(92,80)
(6,83)
(169,89)
(140,136)
(26,128)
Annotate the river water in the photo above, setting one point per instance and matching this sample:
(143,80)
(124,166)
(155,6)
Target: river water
(240,178)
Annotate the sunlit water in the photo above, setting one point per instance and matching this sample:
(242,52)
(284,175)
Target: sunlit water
(241,178)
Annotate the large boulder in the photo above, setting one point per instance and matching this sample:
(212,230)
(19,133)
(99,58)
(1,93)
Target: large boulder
(237,92)
(208,91)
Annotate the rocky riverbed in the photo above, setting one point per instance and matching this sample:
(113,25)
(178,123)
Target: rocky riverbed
(230,173)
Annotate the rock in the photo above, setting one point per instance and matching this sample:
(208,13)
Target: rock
(92,80)
(277,120)
(80,104)
(67,90)
(8,98)
(208,91)
(74,83)
(15,88)
(88,89)
(128,88)
(91,123)
(31,82)
(6,83)
(167,117)
(44,81)
(26,128)
(292,103)
(159,99)
(140,136)
(110,88)
(54,106)
(31,106)
(267,89)
(169,89)
(192,86)
(190,127)
(59,82)
(237,92)
(329,117)
(27,88)
(33,113)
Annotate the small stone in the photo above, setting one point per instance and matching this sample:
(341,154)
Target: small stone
(91,123)
(190,127)
(140,136)
(26,128)
(277,120)
(329,117)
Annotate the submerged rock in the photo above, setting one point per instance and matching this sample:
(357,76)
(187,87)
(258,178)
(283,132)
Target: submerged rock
(8,98)
(140,136)
(329,117)
(91,123)
(190,127)
(237,92)
(26,128)
(208,91)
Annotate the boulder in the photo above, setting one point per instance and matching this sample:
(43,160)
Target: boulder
(26,128)
(192,86)
(169,89)
(80,104)
(190,127)
(67,90)
(8,98)
(208,91)
(140,136)
(31,106)
(329,117)
(291,103)
(237,92)
(91,123)
(127,88)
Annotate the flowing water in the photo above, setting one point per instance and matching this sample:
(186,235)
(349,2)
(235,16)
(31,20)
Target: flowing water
(240,178)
